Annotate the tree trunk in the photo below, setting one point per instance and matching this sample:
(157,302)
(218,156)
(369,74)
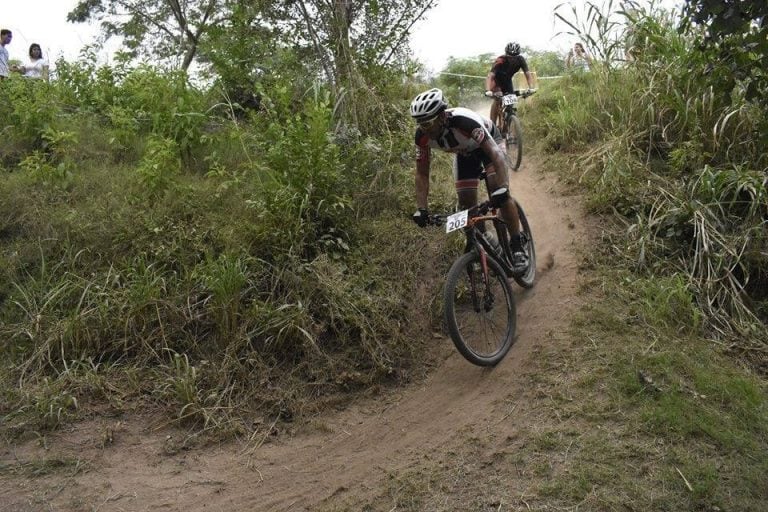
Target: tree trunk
(347,77)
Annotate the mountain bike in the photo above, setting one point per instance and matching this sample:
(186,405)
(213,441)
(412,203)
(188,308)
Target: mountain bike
(479,306)
(510,127)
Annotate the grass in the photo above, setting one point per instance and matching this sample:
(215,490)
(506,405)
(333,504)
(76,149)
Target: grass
(43,467)
(673,161)
(203,264)
(181,305)
(204,294)
(665,377)
(628,413)
(258,288)
(669,421)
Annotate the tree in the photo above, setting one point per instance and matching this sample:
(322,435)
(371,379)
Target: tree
(546,63)
(350,35)
(157,28)
(463,80)
(735,37)
(335,41)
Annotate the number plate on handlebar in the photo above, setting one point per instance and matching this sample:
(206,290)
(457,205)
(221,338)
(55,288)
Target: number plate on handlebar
(456,221)
(509,99)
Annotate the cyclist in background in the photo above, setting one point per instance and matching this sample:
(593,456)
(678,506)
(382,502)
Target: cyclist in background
(499,79)
(474,140)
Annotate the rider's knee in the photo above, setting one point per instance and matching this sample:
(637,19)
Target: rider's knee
(499,197)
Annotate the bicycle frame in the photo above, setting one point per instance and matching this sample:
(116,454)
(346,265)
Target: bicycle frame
(484,246)
(476,217)
(480,310)
(508,104)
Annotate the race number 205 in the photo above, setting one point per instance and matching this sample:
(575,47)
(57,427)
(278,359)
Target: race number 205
(456,221)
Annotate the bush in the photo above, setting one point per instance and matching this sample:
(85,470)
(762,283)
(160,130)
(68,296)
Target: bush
(680,165)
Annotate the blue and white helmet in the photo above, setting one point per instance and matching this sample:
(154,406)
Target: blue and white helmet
(512,49)
(428,104)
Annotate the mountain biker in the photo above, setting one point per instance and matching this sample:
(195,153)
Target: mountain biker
(474,140)
(499,79)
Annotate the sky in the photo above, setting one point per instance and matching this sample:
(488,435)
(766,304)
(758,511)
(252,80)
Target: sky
(458,28)
(467,28)
(44,22)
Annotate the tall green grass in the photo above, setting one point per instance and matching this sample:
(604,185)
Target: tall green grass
(680,164)
(155,244)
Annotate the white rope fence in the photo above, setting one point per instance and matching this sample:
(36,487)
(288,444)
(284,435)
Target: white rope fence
(483,78)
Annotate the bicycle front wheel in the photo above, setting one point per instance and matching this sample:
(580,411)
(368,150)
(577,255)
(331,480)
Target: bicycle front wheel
(514,139)
(480,310)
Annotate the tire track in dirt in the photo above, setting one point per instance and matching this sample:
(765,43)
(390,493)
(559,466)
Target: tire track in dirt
(457,398)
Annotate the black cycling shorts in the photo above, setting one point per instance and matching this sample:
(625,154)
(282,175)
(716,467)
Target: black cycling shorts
(467,167)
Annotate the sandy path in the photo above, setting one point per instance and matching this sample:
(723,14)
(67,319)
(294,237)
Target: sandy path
(355,450)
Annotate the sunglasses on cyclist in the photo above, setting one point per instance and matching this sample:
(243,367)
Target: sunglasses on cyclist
(429,123)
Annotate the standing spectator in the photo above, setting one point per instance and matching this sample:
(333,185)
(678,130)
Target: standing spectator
(578,58)
(37,66)
(5,39)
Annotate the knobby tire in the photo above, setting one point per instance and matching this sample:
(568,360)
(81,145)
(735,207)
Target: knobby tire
(514,140)
(483,337)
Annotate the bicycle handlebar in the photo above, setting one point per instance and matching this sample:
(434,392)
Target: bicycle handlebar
(438,219)
(521,94)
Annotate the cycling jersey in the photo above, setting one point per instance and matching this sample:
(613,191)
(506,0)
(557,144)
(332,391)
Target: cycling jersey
(464,131)
(504,68)
(462,134)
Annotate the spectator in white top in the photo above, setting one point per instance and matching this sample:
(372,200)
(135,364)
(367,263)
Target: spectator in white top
(5,39)
(578,58)
(37,66)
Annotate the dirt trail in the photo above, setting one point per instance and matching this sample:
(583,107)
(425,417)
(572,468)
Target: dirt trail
(349,454)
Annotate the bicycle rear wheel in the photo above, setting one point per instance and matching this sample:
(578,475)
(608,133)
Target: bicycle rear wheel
(480,310)
(526,237)
(514,138)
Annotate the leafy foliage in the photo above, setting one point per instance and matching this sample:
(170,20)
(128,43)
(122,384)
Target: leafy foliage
(160,28)
(545,63)
(463,80)
(248,46)
(680,162)
(224,255)
(159,166)
(735,39)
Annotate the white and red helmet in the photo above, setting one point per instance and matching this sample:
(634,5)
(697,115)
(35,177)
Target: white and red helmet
(428,104)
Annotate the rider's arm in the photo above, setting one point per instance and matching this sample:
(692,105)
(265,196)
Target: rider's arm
(526,72)
(422,176)
(528,79)
(490,81)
